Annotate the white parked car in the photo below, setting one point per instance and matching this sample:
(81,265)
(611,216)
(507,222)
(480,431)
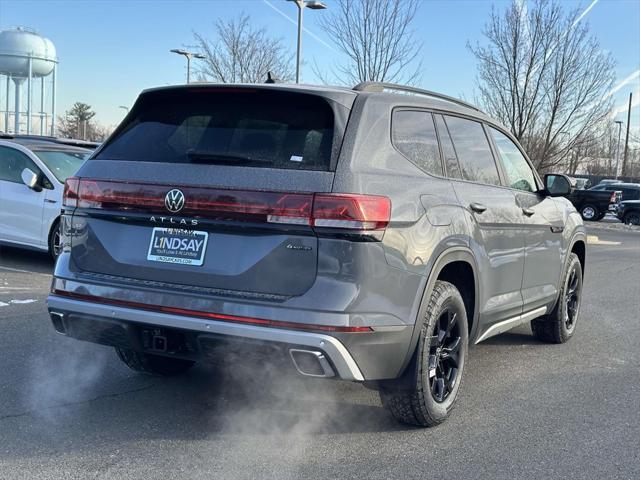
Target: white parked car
(32,174)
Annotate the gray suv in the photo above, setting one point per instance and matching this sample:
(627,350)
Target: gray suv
(367,234)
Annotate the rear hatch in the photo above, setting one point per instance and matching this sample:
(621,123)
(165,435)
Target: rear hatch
(211,188)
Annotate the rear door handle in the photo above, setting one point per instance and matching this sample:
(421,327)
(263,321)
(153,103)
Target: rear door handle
(50,201)
(477,207)
(528,212)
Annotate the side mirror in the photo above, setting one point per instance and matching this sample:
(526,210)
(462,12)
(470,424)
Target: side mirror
(557,185)
(30,179)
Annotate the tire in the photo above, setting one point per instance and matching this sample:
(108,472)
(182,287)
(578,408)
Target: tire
(589,213)
(632,218)
(560,325)
(55,247)
(153,364)
(442,352)
(600,217)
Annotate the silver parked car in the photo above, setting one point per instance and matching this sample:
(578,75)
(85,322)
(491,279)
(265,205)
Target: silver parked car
(364,234)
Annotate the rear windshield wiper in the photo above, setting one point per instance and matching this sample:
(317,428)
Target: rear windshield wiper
(219,158)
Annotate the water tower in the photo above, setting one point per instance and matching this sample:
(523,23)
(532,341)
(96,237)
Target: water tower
(24,57)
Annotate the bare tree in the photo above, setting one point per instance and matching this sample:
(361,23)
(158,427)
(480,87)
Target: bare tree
(239,53)
(377,39)
(545,77)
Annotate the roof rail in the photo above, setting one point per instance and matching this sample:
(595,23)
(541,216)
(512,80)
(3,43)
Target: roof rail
(382,86)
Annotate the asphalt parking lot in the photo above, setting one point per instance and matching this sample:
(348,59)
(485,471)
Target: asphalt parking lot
(527,410)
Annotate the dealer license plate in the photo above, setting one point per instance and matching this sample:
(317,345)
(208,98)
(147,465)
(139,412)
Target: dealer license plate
(174,245)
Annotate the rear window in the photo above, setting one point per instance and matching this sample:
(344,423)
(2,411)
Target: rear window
(238,127)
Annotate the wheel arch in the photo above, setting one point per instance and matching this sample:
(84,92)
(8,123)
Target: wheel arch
(458,266)
(579,247)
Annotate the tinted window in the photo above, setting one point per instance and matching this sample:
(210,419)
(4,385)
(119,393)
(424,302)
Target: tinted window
(517,170)
(472,147)
(12,162)
(450,158)
(414,134)
(232,127)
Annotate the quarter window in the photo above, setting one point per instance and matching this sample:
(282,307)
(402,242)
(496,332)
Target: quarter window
(414,135)
(12,163)
(517,170)
(449,153)
(472,147)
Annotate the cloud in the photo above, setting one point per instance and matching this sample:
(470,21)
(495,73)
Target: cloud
(624,82)
(622,108)
(305,30)
(587,10)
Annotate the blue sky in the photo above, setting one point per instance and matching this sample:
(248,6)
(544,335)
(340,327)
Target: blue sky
(109,50)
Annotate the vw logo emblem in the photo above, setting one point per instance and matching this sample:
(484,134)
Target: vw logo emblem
(174,200)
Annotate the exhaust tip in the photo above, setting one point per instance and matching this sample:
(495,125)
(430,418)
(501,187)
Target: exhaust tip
(311,363)
(57,319)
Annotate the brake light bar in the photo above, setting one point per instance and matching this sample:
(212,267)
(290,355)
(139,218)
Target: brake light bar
(318,210)
(211,315)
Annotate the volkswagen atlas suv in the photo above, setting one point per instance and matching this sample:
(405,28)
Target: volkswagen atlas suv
(367,234)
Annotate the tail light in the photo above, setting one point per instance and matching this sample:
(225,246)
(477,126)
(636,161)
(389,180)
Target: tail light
(321,211)
(70,194)
(352,212)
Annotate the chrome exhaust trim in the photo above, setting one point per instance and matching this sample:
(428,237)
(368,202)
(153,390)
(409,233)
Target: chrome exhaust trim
(311,363)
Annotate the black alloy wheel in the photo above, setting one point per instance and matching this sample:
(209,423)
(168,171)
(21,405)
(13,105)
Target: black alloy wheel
(444,356)
(572,299)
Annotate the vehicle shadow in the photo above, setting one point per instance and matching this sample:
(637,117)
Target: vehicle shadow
(28,260)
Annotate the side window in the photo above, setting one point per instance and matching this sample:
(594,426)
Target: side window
(630,194)
(414,135)
(472,147)
(450,157)
(12,162)
(518,172)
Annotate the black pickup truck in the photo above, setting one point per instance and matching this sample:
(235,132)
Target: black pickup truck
(594,204)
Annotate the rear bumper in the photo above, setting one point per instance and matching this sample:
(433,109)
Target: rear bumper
(119,326)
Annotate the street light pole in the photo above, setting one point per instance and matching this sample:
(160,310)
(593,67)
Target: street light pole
(301,4)
(300,8)
(189,56)
(619,122)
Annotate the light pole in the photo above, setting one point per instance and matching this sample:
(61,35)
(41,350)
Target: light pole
(619,122)
(189,56)
(301,4)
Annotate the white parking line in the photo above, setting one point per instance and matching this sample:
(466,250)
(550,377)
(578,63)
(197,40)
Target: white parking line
(594,240)
(18,302)
(17,270)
